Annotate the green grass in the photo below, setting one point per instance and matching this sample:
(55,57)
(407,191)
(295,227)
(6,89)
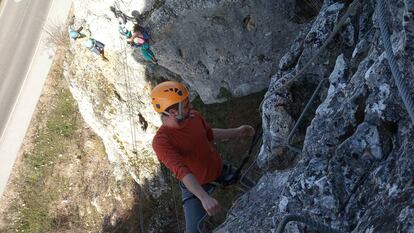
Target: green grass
(53,135)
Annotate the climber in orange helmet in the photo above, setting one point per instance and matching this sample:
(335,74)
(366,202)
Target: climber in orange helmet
(182,144)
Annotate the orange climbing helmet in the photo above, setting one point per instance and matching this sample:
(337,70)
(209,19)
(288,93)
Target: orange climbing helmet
(167,94)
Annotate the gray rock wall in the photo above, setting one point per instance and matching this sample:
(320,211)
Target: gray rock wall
(355,169)
(355,172)
(223,47)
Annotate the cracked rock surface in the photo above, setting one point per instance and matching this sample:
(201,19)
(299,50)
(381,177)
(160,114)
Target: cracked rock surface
(355,171)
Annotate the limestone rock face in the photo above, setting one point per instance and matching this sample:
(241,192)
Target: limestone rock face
(218,48)
(354,172)
(355,169)
(223,46)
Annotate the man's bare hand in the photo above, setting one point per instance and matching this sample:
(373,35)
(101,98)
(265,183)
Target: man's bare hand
(211,205)
(246,131)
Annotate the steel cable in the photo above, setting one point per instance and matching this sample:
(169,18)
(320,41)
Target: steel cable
(308,221)
(396,74)
(350,11)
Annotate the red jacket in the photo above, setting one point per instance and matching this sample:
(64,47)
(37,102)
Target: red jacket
(188,150)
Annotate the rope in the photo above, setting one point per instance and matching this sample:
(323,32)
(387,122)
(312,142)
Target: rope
(201,221)
(396,74)
(131,114)
(256,138)
(175,202)
(133,131)
(129,104)
(206,216)
(350,11)
(308,221)
(288,143)
(120,14)
(247,171)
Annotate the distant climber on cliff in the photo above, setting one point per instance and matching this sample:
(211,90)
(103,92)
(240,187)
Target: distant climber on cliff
(75,32)
(96,47)
(140,36)
(123,30)
(183,144)
(147,53)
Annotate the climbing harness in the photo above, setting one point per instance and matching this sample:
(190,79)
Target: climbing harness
(396,74)
(308,221)
(228,177)
(231,175)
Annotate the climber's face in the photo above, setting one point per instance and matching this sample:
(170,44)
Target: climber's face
(175,117)
(186,108)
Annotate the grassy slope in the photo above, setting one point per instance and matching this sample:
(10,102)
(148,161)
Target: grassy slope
(63,179)
(53,132)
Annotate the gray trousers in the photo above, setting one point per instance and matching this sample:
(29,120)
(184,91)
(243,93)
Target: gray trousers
(193,209)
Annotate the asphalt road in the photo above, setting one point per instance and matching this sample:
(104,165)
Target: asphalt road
(21,24)
(25,60)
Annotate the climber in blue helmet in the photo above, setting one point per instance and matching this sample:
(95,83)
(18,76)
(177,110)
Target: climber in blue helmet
(76,34)
(123,30)
(96,47)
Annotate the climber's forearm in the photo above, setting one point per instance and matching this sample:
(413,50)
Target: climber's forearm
(194,187)
(221,134)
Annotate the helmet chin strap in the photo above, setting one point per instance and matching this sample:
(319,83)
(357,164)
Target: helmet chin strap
(180,117)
